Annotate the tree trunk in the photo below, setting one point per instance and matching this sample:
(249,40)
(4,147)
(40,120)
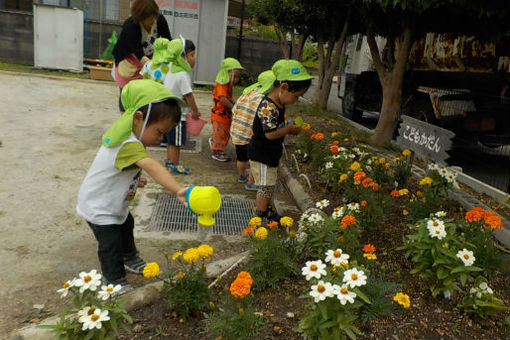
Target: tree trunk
(298,51)
(328,70)
(391,82)
(283,42)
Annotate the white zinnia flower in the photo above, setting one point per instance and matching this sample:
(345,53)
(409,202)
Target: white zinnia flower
(355,278)
(336,257)
(344,294)
(328,165)
(438,232)
(436,223)
(314,269)
(466,256)
(314,218)
(440,214)
(336,156)
(301,236)
(90,280)
(433,166)
(107,291)
(321,291)
(352,155)
(94,320)
(65,288)
(322,204)
(353,206)
(338,213)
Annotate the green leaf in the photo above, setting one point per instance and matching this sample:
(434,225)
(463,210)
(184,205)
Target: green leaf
(362,296)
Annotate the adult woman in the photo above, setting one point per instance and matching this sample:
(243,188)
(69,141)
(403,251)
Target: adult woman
(135,44)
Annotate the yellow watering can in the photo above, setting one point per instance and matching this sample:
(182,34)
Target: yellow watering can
(204,201)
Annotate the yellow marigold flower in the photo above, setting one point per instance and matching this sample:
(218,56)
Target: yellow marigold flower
(346,139)
(261,233)
(176,255)
(151,269)
(292,233)
(333,134)
(406,152)
(403,192)
(191,255)
(205,251)
(382,160)
(387,165)
(402,299)
(369,256)
(255,222)
(180,275)
(426,181)
(355,166)
(343,177)
(286,221)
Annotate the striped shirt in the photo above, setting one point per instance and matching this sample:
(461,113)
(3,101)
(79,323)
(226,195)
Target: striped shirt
(243,114)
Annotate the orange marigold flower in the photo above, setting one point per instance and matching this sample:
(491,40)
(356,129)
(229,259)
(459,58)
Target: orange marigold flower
(248,231)
(272,224)
(367,182)
(334,149)
(375,187)
(474,215)
(244,275)
(306,127)
(240,288)
(336,142)
(340,239)
(358,176)
(369,248)
(347,221)
(363,203)
(312,136)
(495,222)
(395,193)
(319,136)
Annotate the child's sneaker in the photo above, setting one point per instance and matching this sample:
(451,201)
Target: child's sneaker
(176,168)
(242,179)
(124,286)
(251,186)
(135,264)
(220,156)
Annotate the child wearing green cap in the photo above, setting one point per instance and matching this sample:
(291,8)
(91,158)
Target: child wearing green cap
(270,128)
(221,113)
(242,121)
(111,182)
(171,66)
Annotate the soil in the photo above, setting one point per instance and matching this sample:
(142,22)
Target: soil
(427,318)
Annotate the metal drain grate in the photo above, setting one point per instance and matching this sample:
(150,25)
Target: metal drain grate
(169,214)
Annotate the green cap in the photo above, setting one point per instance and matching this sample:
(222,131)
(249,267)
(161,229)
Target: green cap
(175,53)
(265,82)
(136,94)
(289,69)
(226,65)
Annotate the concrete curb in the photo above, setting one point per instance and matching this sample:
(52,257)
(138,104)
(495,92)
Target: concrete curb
(137,298)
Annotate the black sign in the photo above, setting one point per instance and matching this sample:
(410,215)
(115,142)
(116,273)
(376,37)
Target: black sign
(424,139)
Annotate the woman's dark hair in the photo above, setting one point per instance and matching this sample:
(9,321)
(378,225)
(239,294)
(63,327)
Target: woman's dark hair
(294,85)
(168,108)
(143,9)
(188,46)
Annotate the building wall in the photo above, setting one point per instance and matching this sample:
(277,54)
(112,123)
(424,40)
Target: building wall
(17,38)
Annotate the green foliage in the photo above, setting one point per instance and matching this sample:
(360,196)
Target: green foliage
(380,293)
(272,259)
(424,203)
(434,249)
(481,300)
(237,320)
(488,256)
(187,294)
(401,172)
(69,326)
(310,57)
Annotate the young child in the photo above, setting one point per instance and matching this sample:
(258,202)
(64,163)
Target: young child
(270,128)
(242,122)
(111,182)
(171,66)
(221,113)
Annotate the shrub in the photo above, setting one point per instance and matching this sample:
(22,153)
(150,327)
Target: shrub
(481,300)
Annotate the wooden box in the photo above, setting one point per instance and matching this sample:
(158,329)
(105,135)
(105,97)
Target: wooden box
(100,73)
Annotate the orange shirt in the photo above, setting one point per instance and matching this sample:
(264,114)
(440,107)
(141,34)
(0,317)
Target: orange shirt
(220,112)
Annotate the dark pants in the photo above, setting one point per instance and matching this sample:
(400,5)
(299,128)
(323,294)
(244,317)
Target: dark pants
(115,243)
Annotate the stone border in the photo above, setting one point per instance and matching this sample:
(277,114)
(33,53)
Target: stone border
(136,298)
